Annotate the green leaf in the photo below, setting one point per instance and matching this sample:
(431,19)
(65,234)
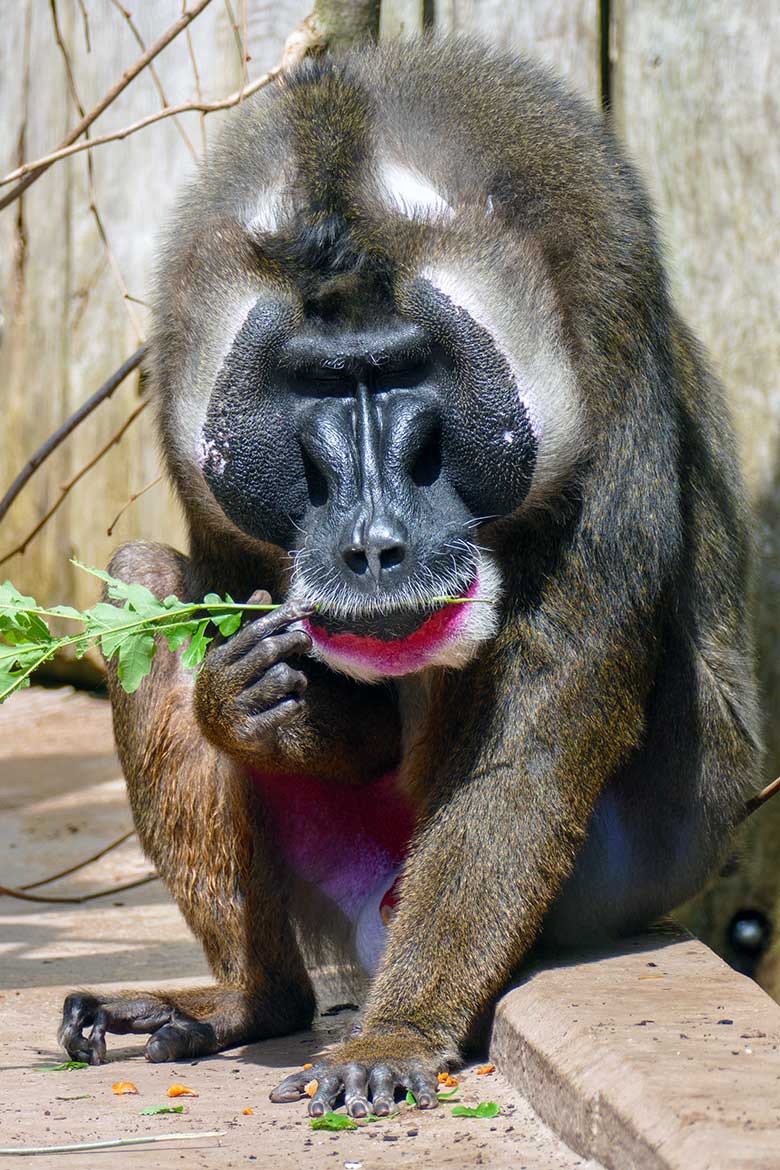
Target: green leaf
(410,1098)
(66,1066)
(196,651)
(484,1109)
(153,1110)
(135,659)
(333,1121)
(15,662)
(227,623)
(448,1096)
(177,634)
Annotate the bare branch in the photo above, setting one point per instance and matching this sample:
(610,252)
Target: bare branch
(62,432)
(76,900)
(74,479)
(305,39)
(135,496)
(154,74)
(80,864)
(35,172)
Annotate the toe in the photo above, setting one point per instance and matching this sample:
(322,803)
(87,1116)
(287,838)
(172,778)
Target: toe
(328,1092)
(356,1090)
(292,1088)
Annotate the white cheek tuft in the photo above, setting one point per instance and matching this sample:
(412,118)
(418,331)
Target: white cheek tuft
(411,194)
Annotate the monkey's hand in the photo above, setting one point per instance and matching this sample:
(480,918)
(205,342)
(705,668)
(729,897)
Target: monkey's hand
(367,1071)
(246,688)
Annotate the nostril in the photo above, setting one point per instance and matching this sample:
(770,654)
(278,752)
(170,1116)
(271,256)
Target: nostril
(356,560)
(393,555)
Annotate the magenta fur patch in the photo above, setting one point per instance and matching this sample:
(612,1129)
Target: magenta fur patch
(342,838)
(401,655)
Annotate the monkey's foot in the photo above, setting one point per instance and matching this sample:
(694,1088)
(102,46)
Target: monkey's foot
(196,1021)
(172,1035)
(368,1072)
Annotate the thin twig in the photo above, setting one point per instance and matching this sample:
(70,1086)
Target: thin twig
(178,26)
(135,496)
(761,797)
(85,22)
(74,479)
(303,40)
(80,864)
(237,38)
(62,432)
(91,190)
(198,89)
(77,899)
(115,1143)
(128,16)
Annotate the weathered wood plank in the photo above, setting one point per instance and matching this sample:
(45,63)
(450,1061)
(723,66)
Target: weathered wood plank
(66,325)
(563,35)
(695,94)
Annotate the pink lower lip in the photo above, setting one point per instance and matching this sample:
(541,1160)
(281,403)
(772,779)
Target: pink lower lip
(401,655)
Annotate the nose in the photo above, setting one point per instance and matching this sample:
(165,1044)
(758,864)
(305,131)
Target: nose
(377,548)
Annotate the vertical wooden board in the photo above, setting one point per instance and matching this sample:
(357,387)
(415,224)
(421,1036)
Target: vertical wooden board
(696,94)
(564,35)
(66,324)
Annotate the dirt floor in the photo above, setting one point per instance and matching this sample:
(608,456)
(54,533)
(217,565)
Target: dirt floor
(62,799)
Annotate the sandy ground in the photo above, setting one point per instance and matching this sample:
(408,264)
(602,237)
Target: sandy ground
(62,798)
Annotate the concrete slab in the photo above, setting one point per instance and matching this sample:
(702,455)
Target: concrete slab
(61,799)
(659,1057)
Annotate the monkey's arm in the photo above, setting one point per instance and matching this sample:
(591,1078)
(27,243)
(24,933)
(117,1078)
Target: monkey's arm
(508,770)
(194,812)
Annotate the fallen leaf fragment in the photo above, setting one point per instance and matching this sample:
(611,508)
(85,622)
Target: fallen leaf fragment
(66,1066)
(311,1088)
(181,1091)
(122,1087)
(651,976)
(247,1112)
(153,1110)
(484,1109)
(448,1080)
(333,1121)
(485,1070)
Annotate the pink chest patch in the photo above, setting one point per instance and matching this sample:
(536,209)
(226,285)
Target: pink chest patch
(341,838)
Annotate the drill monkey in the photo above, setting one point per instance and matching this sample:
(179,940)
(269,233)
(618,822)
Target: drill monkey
(412,339)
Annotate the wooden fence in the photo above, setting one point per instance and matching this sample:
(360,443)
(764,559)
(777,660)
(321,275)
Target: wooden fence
(694,89)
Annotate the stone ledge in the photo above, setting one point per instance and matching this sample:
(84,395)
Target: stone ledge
(656,1056)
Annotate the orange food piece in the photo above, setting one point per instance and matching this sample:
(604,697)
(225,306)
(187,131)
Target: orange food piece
(181,1091)
(307,1066)
(311,1088)
(485,1070)
(248,1112)
(123,1087)
(448,1080)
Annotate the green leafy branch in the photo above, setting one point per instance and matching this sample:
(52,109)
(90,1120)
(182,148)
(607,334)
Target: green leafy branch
(127,631)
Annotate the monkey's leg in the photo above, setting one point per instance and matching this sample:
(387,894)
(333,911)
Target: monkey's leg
(196,818)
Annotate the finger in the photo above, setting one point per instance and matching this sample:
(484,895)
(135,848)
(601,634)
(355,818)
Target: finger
(424,1086)
(381,1086)
(268,651)
(356,1090)
(277,684)
(248,636)
(292,1088)
(259,597)
(328,1092)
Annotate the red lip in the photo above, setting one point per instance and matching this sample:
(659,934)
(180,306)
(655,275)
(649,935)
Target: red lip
(400,655)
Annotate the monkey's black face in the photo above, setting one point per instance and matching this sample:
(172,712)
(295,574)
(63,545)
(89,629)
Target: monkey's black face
(371,451)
